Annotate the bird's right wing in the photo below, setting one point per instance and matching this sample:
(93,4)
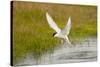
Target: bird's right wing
(67,28)
(52,24)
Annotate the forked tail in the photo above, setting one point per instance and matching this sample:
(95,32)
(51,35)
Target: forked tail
(67,40)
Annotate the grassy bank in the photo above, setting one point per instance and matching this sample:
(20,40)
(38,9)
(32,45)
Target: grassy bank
(31,32)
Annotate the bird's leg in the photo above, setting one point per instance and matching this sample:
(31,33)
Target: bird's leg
(62,41)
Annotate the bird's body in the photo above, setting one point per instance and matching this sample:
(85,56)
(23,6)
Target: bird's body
(63,37)
(60,33)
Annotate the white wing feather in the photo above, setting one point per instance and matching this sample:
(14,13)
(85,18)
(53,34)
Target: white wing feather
(67,28)
(52,24)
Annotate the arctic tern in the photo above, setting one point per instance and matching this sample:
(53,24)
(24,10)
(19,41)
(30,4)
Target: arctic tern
(60,33)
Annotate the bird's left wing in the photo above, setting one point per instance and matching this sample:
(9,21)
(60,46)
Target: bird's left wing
(67,28)
(52,24)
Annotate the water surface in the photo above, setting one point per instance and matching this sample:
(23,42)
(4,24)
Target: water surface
(81,52)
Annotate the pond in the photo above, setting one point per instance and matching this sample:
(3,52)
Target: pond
(83,51)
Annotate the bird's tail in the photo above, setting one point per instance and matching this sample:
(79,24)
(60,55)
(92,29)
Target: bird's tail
(67,40)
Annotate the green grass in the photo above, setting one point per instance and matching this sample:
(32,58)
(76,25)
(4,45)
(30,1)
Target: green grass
(32,34)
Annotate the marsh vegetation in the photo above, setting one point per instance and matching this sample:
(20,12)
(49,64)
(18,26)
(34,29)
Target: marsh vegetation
(31,33)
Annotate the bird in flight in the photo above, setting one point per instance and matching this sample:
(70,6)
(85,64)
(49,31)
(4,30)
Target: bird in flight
(60,33)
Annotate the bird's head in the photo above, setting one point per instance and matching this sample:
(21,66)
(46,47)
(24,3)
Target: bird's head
(54,34)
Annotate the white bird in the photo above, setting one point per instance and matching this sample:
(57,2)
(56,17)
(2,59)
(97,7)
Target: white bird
(60,33)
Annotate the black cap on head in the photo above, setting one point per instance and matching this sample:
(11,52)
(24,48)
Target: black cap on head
(54,34)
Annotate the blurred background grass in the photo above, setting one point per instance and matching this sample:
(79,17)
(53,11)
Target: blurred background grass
(31,32)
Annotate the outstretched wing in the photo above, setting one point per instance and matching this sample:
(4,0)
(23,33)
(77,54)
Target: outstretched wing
(67,28)
(52,24)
